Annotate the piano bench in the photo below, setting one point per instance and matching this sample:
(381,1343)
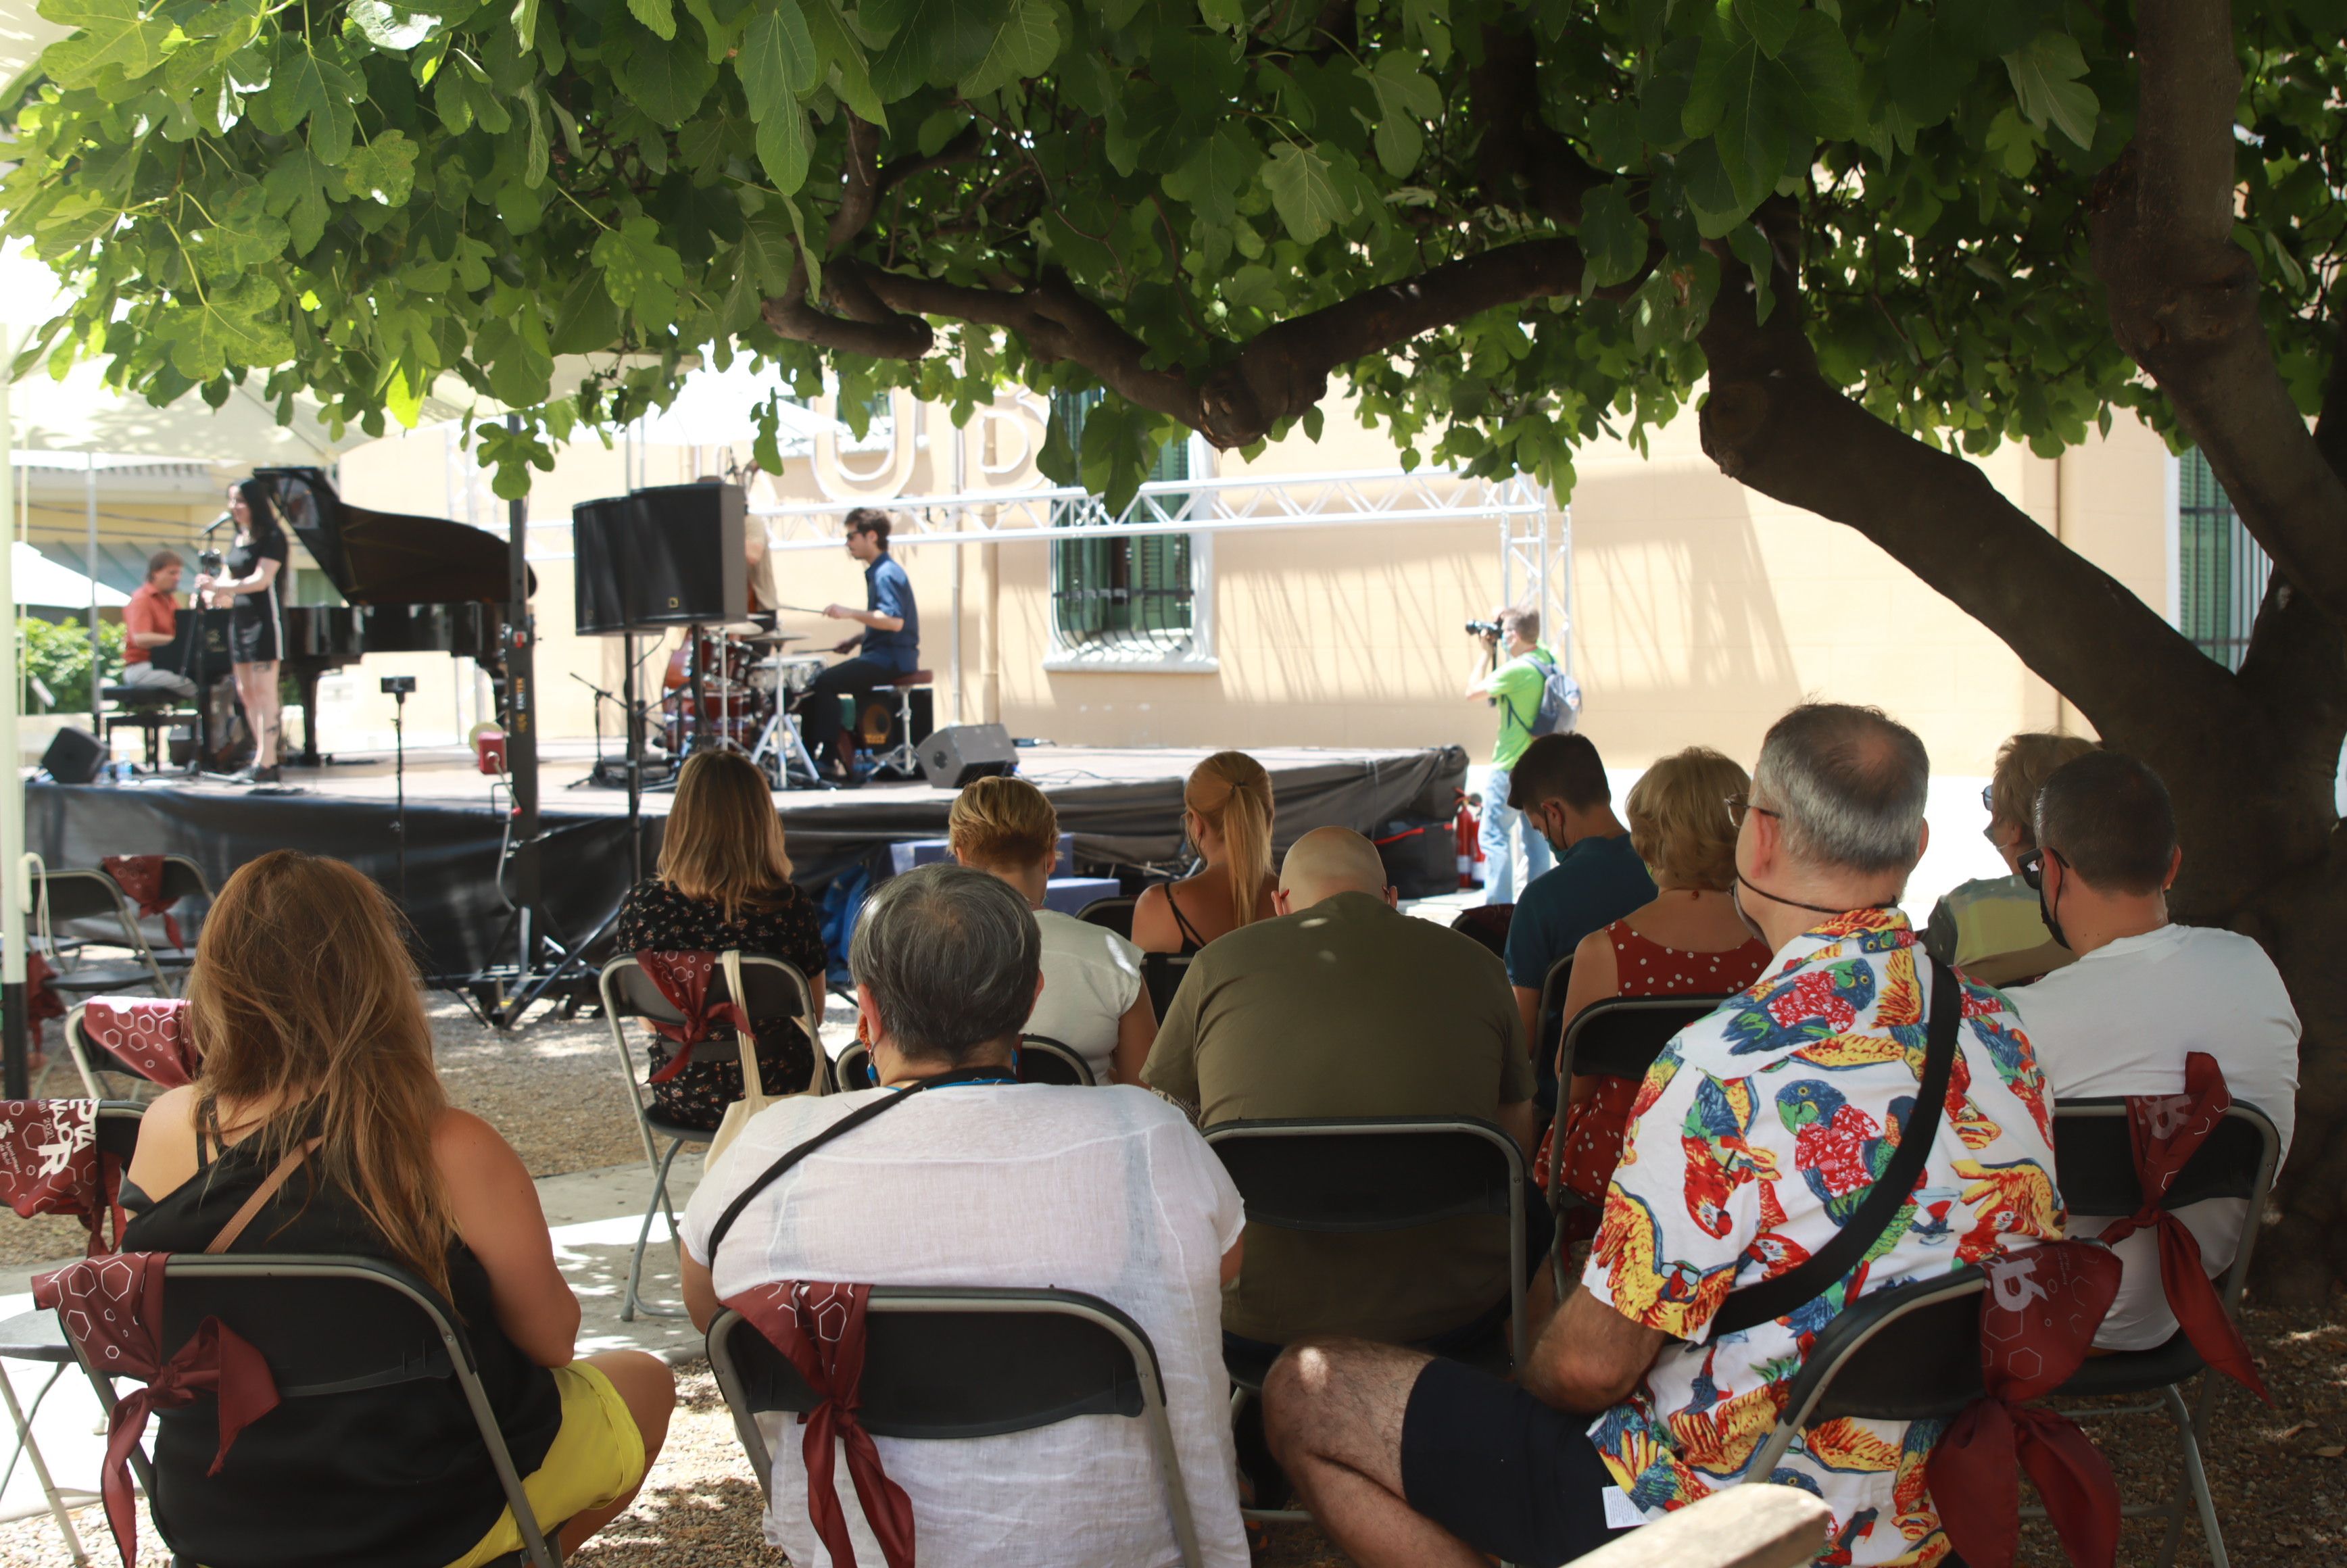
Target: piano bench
(139,696)
(143,713)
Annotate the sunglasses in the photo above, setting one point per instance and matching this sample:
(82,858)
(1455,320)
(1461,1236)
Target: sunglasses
(1988,798)
(2032,867)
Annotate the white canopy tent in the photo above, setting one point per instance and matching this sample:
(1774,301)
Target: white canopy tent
(38,581)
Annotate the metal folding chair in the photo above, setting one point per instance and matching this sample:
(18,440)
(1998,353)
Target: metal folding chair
(1161,973)
(94,900)
(38,1337)
(1114,914)
(93,1062)
(1042,1059)
(776,990)
(183,880)
(944,1363)
(254,1291)
(2095,1168)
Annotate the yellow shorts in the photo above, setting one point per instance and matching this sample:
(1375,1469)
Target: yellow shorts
(597,1459)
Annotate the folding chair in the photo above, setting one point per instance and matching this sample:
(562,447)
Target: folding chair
(1550,1017)
(92,1060)
(775,990)
(2095,1167)
(941,1363)
(1161,973)
(396,1330)
(1910,1353)
(1042,1059)
(1115,914)
(65,897)
(38,1336)
(183,880)
(852,1070)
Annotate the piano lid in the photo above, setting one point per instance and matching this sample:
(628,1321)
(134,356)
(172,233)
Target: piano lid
(390,558)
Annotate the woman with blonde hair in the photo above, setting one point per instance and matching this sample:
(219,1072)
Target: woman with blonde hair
(1689,941)
(316,1099)
(1094,1001)
(1993,928)
(1227,815)
(724,884)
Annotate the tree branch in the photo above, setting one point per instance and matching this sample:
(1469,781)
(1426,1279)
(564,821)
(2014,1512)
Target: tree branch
(1520,156)
(2183,298)
(859,190)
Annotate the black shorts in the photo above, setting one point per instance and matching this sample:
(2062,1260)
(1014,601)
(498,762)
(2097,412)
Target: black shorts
(252,635)
(1503,1472)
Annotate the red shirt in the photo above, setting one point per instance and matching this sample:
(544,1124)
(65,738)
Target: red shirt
(149,610)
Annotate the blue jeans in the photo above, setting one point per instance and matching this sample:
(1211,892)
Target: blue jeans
(1500,832)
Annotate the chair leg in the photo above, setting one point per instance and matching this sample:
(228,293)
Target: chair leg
(634,1306)
(32,1450)
(2189,1426)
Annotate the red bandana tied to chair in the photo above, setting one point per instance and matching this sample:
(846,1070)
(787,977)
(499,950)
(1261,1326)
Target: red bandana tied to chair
(141,877)
(683,979)
(112,1308)
(41,998)
(2038,1322)
(146,1034)
(821,1328)
(2166,1130)
(50,1163)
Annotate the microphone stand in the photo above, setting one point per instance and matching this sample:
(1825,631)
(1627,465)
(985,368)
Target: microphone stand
(399,778)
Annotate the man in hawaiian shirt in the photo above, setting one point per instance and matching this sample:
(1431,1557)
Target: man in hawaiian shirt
(1756,1135)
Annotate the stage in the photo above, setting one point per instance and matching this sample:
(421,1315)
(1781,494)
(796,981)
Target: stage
(1123,805)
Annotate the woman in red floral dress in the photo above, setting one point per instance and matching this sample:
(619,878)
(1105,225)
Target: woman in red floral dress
(1689,941)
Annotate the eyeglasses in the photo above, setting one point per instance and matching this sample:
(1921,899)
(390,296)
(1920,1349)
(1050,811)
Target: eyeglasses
(1738,804)
(1988,797)
(2032,867)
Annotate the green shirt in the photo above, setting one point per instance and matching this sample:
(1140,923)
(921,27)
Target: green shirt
(1515,687)
(1349,1009)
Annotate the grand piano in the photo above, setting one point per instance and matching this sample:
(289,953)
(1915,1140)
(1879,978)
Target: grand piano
(415,585)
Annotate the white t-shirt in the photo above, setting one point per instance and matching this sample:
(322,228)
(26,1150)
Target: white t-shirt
(1090,976)
(1095,1190)
(2121,1020)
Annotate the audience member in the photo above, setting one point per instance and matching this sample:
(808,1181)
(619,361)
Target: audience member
(317,1072)
(1689,941)
(1989,926)
(988,1182)
(1519,666)
(2143,995)
(1559,786)
(1756,1136)
(725,884)
(1344,1006)
(1094,1001)
(1227,815)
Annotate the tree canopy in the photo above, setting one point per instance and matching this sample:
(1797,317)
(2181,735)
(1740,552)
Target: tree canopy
(1504,224)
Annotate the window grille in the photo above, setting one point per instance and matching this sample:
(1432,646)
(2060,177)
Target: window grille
(2220,571)
(1126,596)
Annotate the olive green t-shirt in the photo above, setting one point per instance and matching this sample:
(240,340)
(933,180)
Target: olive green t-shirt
(1349,1009)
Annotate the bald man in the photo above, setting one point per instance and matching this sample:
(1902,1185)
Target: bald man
(1344,1006)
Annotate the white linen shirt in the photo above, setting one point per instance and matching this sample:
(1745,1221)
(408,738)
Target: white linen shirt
(2121,1020)
(1108,1191)
(1090,976)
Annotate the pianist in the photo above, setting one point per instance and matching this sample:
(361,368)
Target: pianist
(151,621)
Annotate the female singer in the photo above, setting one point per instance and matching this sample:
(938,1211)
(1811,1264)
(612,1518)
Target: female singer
(256,639)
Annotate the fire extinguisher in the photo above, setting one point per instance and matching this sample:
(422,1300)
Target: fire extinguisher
(1470,830)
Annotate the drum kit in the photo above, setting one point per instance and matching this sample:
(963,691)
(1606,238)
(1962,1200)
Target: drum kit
(738,687)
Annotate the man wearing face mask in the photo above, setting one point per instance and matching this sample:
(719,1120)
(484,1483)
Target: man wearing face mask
(2145,994)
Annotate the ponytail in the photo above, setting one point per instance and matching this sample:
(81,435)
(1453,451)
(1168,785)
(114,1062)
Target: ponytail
(1231,790)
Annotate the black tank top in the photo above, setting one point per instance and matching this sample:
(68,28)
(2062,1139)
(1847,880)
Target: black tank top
(390,1477)
(1191,941)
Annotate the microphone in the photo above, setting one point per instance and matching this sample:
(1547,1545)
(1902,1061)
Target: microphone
(216,522)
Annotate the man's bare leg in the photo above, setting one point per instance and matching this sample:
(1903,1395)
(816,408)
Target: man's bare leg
(1333,1411)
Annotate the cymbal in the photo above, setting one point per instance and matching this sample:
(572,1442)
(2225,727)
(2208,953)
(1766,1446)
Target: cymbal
(770,637)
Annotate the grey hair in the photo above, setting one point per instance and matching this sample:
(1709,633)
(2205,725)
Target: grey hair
(949,955)
(1848,784)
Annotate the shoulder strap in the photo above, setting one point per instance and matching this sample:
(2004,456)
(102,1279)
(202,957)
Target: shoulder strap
(1188,932)
(1805,1282)
(290,1162)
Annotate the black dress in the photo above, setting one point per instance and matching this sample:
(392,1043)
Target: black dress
(387,1477)
(657,919)
(255,634)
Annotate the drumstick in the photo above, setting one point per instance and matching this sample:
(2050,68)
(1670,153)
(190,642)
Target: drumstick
(799,609)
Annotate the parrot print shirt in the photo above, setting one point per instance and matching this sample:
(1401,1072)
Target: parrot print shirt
(1756,1135)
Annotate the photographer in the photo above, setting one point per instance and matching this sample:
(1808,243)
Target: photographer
(1511,678)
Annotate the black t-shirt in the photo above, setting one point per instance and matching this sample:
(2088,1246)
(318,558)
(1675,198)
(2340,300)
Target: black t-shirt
(243,558)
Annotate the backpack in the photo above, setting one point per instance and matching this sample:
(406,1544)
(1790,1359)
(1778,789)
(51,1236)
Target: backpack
(1560,703)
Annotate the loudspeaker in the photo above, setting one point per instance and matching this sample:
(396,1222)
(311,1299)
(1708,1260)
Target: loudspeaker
(957,753)
(667,557)
(73,757)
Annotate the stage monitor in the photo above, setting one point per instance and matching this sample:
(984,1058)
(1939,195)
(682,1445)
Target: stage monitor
(953,756)
(662,558)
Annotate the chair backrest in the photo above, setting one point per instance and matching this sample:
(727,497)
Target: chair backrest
(1042,1059)
(2095,1168)
(1161,973)
(84,896)
(1366,1173)
(772,990)
(1487,924)
(183,878)
(1620,1035)
(1116,914)
(945,1363)
(117,1128)
(851,1070)
(1908,1353)
(1554,986)
(151,1028)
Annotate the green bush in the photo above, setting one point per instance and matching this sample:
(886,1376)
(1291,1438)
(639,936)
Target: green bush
(56,653)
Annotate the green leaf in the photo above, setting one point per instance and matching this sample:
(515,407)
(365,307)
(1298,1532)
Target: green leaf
(657,15)
(2046,79)
(237,326)
(1227,16)
(524,22)
(385,170)
(667,79)
(642,274)
(1768,22)
(1215,176)
(1304,192)
(305,86)
(843,54)
(1024,48)
(536,152)
(783,148)
(586,319)
(245,237)
(389,27)
(113,34)
(777,62)
(932,42)
(1751,248)
(1405,96)
(1612,241)
(1753,107)
(296,188)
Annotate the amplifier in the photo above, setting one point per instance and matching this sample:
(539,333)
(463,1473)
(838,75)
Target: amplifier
(73,757)
(667,557)
(957,753)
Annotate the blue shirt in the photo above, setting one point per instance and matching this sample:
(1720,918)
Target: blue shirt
(889,591)
(1592,885)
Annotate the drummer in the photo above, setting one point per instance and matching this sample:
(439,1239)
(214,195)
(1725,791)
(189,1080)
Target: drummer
(887,648)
